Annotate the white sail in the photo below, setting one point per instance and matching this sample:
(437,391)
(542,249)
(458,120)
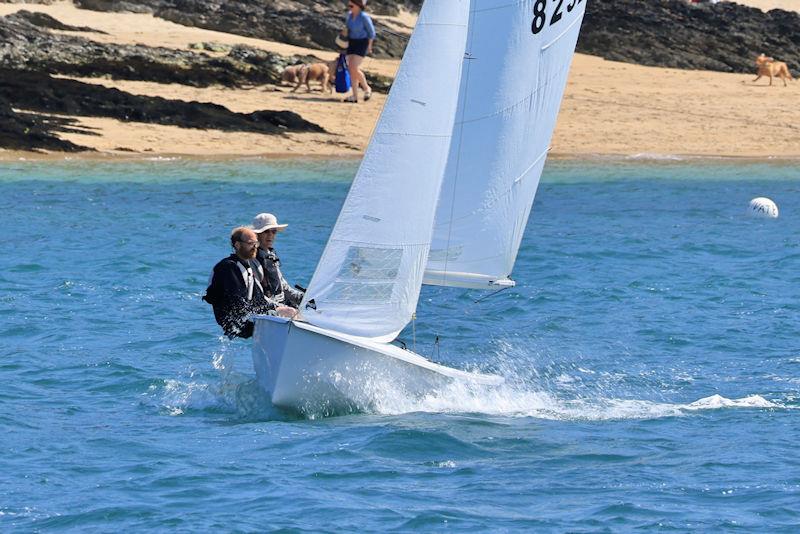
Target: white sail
(517,59)
(368,279)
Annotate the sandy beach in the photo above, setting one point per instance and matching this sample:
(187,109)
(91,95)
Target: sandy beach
(609,108)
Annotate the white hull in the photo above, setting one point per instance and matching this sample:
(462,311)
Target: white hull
(316,371)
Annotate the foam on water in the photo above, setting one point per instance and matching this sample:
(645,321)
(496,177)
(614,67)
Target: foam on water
(521,396)
(519,401)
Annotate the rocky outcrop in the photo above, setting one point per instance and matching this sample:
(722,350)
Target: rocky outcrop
(674,33)
(39,92)
(43,2)
(27,47)
(308,23)
(25,131)
(665,33)
(29,54)
(43,20)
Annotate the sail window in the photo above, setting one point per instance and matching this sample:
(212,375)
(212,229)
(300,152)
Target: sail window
(448,254)
(367,274)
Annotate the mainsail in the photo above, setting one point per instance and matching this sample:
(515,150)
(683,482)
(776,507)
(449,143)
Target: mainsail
(368,279)
(517,59)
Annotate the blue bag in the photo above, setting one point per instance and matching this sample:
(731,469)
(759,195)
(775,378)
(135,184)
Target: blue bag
(342,75)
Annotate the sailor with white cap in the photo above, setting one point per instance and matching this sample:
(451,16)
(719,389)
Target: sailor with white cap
(276,288)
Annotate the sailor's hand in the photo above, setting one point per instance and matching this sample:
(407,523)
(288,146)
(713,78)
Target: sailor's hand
(286,311)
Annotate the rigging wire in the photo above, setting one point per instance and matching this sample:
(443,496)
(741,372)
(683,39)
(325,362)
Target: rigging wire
(493,293)
(466,66)
(414,331)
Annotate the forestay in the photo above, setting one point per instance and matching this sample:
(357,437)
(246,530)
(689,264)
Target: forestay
(517,59)
(368,280)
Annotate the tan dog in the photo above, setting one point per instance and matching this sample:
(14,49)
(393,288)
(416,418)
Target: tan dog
(316,72)
(291,74)
(767,66)
(305,74)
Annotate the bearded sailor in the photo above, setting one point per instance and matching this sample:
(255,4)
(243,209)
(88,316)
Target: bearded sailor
(235,290)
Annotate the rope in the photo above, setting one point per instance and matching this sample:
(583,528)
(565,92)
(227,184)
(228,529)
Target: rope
(491,294)
(414,331)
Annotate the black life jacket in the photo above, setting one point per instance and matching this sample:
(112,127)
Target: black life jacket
(270,263)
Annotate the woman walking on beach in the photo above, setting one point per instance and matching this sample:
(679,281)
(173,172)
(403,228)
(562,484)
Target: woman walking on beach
(361,33)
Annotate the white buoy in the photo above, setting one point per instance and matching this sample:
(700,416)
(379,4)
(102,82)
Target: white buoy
(763,207)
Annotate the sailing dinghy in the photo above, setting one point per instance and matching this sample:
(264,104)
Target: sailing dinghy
(442,197)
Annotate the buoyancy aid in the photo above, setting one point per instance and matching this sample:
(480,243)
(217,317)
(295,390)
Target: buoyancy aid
(270,269)
(235,293)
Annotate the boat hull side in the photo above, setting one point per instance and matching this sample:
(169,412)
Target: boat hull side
(269,340)
(315,374)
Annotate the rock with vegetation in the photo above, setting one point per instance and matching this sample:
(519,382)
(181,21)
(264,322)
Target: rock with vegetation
(25,46)
(43,20)
(40,92)
(722,37)
(28,131)
(308,23)
(667,33)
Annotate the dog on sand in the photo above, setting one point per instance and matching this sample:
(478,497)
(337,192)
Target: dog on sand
(767,66)
(290,74)
(307,73)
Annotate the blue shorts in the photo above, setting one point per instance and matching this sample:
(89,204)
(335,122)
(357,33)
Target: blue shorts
(358,47)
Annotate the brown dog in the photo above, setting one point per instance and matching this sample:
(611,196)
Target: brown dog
(291,74)
(766,66)
(305,74)
(316,72)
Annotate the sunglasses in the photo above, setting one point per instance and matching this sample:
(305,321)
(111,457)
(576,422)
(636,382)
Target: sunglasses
(249,243)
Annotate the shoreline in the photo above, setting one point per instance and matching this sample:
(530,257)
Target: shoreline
(16,156)
(610,109)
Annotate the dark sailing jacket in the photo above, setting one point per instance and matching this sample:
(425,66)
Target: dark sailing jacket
(228,291)
(275,285)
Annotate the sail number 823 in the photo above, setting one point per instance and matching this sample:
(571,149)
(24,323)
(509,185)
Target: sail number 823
(540,16)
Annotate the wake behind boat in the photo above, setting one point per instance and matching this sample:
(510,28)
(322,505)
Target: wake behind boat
(442,197)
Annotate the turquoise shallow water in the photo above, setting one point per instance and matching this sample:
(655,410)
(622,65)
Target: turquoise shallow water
(650,347)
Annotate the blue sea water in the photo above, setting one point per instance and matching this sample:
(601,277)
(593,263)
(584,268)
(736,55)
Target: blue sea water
(651,350)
